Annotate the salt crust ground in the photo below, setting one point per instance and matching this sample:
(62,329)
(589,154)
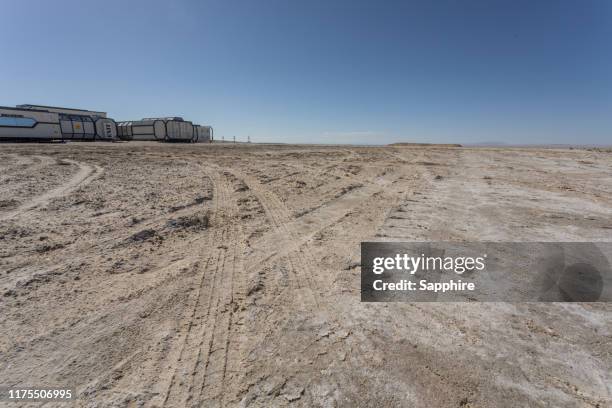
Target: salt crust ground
(158,275)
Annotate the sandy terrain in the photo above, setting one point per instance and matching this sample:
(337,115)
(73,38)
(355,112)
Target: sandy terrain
(156,275)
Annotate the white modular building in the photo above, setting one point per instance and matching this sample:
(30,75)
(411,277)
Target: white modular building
(67,111)
(170,129)
(203,134)
(20,124)
(46,123)
(40,122)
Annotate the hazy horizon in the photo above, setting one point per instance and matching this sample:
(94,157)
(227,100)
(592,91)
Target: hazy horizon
(474,72)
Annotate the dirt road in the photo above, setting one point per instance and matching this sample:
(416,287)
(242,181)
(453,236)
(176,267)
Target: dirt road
(160,275)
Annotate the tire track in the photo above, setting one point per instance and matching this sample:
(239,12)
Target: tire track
(294,251)
(280,218)
(177,391)
(214,370)
(85,175)
(201,368)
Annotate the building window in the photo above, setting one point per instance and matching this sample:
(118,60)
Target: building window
(17,122)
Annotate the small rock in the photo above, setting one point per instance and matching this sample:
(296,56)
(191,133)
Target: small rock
(352,265)
(293,393)
(10,292)
(344,334)
(143,235)
(241,187)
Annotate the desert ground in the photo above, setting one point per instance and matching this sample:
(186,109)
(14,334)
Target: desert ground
(164,275)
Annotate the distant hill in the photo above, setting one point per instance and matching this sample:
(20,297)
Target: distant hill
(426,144)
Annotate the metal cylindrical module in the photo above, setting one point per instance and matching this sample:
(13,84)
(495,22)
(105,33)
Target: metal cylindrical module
(106,129)
(203,134)
(124,130)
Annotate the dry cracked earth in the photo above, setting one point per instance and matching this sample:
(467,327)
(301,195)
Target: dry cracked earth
(156,275)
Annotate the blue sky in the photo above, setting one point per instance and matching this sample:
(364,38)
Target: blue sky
(323,71)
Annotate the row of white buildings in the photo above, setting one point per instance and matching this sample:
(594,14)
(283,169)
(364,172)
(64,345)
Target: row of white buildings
(49,123)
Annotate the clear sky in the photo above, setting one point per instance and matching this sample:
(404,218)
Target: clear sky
(314,71)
